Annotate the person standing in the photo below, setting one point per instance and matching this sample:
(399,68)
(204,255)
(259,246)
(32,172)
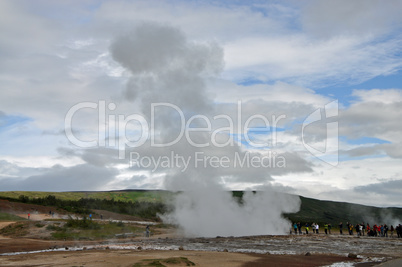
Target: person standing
(385,230)
(147,231)
(29,216)
(306,228)
(340,228)
(375,229)
(326,228)
(350,229)
(358,230)
(317,228)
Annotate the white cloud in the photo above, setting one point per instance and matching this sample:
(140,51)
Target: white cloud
(374,114)
(342,17)
(52,61)
(58,178)
(278,92)
(311,62)
(387,96)
(330,182)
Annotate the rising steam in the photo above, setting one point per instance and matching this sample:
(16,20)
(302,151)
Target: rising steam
(166,67)
(213,213)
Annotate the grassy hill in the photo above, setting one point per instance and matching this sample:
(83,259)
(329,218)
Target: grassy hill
(312,210)
(333,212)
(126,195)
(4,216)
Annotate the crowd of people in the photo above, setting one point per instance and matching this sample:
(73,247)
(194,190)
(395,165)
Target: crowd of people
(361,229)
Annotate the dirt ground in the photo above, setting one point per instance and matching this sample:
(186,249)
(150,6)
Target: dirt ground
(130,257)
(219,251)
(24,209)
(129,252)
(98,253)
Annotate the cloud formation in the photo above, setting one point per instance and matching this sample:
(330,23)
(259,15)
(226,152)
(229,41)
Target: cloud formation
(288,58)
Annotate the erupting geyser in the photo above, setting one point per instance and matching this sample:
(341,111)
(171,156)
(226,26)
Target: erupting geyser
(167,68)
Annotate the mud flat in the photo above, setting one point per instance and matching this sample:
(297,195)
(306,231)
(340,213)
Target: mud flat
(109,257)
(219,251)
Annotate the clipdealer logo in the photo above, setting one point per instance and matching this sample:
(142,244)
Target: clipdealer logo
(112,128)
(112,132)
(328,115)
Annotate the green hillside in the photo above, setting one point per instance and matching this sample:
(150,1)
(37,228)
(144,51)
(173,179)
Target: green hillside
(126,195)
(320,211)
(312,210)
(4,216)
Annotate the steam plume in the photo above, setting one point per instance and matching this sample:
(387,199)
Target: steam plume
(166,67)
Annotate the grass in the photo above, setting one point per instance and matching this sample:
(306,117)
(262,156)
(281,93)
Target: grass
(39,225)
(36,194)
(319,211)
(83,223)
(312,210)
(54,227)
(106,231)
(10,217)
(160,262)
(75,231)
(16,229)
(125,196)
(54,220)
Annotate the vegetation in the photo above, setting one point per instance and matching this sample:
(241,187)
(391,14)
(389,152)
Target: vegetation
(84,223)
(147,204)
(54,227)
(86,229)
(319,211)
(9,217)
(148,210)
(322,212)
(16,229)
(182,261)
(39,225)
(124,196)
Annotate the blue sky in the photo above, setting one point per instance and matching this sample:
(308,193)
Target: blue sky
(343,92)
(276,58)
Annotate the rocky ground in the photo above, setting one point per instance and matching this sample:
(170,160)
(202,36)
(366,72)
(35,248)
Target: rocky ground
(30,249)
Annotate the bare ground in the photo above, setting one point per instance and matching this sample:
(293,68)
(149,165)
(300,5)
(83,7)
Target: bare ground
(130,257)
(218,251)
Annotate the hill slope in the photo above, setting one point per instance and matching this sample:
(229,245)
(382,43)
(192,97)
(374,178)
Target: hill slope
(334,212)
(312,210)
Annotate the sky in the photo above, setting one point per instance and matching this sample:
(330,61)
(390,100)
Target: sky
(301,97)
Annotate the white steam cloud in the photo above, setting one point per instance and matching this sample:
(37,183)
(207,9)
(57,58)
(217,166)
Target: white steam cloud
(212,213)
(166,67)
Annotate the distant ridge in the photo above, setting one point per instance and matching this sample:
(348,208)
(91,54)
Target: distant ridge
(311,210)
(325,211)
